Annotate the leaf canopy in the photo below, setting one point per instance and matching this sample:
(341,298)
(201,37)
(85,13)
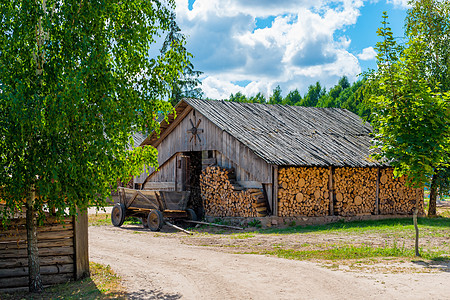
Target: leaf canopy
(76,80)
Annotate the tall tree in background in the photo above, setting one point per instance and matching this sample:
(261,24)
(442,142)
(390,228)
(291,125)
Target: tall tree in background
(75,81)
(258,98)
(276,97)
(410,94)
(292,98)
(187,84)
(315,92)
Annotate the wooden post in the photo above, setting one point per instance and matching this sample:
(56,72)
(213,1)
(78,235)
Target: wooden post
(330,188)
(377,198)
(274,203)
(80,241)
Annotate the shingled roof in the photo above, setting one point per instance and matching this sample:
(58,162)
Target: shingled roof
(291,135)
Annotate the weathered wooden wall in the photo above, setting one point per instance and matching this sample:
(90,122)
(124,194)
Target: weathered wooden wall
(305,191)
(63,252)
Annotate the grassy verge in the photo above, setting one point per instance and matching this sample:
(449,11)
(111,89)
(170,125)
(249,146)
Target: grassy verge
(101,219)
(352,252)
(103,284)
(393,227)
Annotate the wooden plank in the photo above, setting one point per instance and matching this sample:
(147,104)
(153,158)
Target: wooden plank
(41,236)
(46,280)
(330,188)
(45,261)
(250,184)
(214,224)
(157,198)
(269,192)
(274,203)
(14,246)
(19,230)
(45,270)
(209,161)
(178,228)
(49,251)
(49,220)
(81,245)
(160,185)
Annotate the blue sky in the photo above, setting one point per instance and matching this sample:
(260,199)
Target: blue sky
(252,46)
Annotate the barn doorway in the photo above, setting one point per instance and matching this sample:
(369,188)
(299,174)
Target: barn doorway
(188,179)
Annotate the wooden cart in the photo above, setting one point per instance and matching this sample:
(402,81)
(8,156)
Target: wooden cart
(152,206)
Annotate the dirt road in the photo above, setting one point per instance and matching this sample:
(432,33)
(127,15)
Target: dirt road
(155,266)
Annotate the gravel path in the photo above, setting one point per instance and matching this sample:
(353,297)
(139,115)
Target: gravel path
(156,267)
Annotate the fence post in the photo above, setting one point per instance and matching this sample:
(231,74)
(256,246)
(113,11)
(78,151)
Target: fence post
(80,236)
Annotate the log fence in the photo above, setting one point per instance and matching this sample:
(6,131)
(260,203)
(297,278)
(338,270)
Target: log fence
(63,252)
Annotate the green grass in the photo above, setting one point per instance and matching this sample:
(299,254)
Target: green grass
(241,236)
(392,226)
(132,221)
(99,219)
(103,284)
(350,252)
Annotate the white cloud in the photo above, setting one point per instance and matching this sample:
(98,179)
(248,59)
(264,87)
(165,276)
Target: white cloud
(297,49)
(367,54)
(400,3)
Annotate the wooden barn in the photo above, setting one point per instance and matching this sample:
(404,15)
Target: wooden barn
(252,160)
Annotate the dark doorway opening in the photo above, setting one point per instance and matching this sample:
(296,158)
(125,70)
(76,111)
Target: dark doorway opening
(194,170)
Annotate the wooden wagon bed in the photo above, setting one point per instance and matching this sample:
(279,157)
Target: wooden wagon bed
(151,205)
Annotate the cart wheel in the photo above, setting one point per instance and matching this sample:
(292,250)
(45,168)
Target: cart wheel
(155,220)
(118,214)
(191,214)
(144,222)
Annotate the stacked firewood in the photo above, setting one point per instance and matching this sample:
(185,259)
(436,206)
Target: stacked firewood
(355,191)
(223,197)
(303,191)
(395,197)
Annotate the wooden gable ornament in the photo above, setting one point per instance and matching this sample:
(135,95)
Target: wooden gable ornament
(195,131)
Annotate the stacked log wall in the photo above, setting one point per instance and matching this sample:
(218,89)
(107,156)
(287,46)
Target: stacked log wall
(396,197)
(223,198)
(62,252)
(303,191)
(355,191)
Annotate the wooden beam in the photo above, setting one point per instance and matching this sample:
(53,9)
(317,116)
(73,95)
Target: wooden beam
(377,198)
(80,240)
(274,203)
(160,185)
(250,184)
(214,224)
(331,190)
(172,126)
(178,228)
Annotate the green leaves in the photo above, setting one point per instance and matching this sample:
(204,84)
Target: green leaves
(409,94)
(76,80)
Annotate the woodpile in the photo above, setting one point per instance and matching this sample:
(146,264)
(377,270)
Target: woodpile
(355,191)
(223,197)
(395,197)
(303,191)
